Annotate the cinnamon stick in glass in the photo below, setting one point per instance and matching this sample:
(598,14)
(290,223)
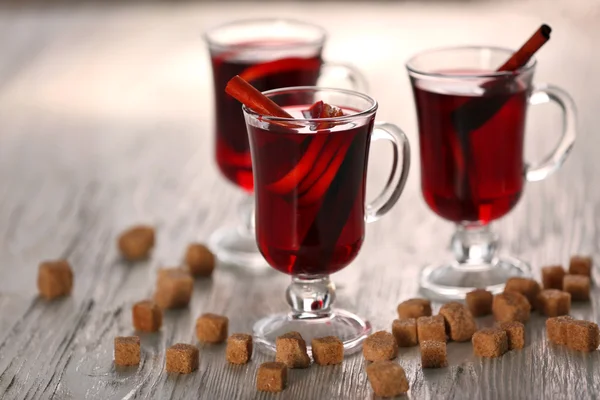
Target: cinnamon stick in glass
(475,113)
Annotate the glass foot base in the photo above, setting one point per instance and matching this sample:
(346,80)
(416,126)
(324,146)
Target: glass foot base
(351,329)
(454,280)
(236,249)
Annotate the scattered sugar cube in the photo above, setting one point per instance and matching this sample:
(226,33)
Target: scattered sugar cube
(174,288)
(182,358)
(328,350)
(199,260)
(136,242)
(556,329)
(554,303)
(55,279)
(515,332)
(460,321)
(405,332)
(582,335)
(511,306)
(490,342)
(414,308)
(239,348)
(431,328)
(212,328)
(146,316)
(578,286)
(291,350)
(433,354)
(271,377)
(380,346)
(479,302)
(387,378)
(552,277)
(127,350)
(580,265)
(527,287)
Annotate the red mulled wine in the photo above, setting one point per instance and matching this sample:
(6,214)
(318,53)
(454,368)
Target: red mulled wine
(232,149)
(310,194)
(471,149)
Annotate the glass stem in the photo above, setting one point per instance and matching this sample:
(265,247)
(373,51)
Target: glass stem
(246,215)
(474,244)
(310,296)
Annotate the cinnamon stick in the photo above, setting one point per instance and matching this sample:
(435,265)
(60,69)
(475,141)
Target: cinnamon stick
(524,54)
(249,96)
(280,66)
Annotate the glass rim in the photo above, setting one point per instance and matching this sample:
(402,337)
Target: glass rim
(304,121)
(239,22)
(494,74)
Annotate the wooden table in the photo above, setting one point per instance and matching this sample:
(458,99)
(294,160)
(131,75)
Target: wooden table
(106,121)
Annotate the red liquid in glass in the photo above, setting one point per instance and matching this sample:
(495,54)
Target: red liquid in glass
(472,159)
(316,225)
(232,148)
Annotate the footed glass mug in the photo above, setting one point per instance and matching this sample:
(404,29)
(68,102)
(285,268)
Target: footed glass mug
(471,133)
(270,54)
(310,183)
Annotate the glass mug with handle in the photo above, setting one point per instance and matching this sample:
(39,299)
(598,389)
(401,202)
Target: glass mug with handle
(270,54)
(471,135)
(310,181)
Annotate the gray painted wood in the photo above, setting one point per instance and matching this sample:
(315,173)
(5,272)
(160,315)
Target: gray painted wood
(105,121)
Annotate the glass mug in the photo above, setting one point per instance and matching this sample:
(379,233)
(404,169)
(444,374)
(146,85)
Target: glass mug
(310,181)
(270,54)
(471,135)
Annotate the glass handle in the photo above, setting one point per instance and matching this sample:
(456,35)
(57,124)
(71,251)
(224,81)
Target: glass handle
(349,73)
(397,179)
(543,94)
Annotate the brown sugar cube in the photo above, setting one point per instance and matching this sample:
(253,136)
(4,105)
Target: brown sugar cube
(291,350)
(174,288)
(387,378)
(199,260)
(328,350)
(433,354)
(55,279)
(556,329)
(239,348)
(271,377)
(479,302)
(212,328)
(552,277)
(136,242)
(182,358)
(431,328)
(405,332)
(515,332)
(578,286)
(414,308)
(511,306)
(459,320)
(490,342)
(380,346)
(580,265)
(527,287)
(554,303)
(582,335)
(146,316)
(127,350)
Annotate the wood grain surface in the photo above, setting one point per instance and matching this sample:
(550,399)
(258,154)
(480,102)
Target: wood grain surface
(106,120)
